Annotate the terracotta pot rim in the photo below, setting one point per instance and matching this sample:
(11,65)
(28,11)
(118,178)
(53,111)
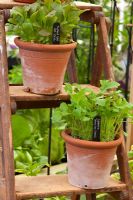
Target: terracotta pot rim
(43,47)
(25,1)
(91,144)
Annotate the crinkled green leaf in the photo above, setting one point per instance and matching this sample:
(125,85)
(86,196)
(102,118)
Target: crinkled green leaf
(20,133)
(37,19)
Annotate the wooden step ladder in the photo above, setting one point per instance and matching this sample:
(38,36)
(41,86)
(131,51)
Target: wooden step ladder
(13,97)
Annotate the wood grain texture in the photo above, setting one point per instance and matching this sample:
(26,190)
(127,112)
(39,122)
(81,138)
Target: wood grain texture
(124,168)
(5,118)
(17,93)
(71,69)
(106,56)
(10,3)
(102,61)
(97,68)
(24,100)
(88,6)
(3,194)
(55,185)
(1,163)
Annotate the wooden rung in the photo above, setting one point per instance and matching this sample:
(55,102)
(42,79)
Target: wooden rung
(2,188)
(86,6)
(24,100)
(82,5)
(17,93)
(55,185)
(5,4)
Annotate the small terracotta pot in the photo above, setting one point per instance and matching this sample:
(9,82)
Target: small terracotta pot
(25,1)
(89,163)
(44,66)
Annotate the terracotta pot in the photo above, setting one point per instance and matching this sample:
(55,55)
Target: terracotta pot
(44,66)
(25,1)
(89,163)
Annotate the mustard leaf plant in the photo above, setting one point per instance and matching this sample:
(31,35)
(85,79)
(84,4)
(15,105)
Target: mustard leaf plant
(85,105)
(34,22)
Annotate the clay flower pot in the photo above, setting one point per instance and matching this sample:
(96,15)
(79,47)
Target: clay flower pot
(44,66)
(89,163)
(25,1)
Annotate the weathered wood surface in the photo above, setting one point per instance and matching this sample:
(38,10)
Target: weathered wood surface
(55,185)
(97,68)
(106,56)
(86,5)
(23,100)
(103,61)
(10,3)
(124,168)
(2,189)
(17,93)
(71,69)
(7,185)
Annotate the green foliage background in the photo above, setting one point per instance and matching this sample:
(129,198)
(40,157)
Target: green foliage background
(118,56)
(31,141)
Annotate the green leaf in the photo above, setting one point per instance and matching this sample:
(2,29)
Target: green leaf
(37,19)
(20,134)
(130,154)
(44,32)
(28,29)
(106,85)
(85,104)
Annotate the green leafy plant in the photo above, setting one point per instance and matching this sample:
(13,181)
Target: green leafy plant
(15,75)
(35,22)
(26,164)
(31,141)
(85,105)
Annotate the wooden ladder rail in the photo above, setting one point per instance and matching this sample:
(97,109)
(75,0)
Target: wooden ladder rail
(7,181)
(102,60)
(103,63)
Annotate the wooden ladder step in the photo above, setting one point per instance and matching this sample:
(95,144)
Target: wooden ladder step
(11,3)
(86,6)
(56,185)
(17,93)
(25,99)
(7,4)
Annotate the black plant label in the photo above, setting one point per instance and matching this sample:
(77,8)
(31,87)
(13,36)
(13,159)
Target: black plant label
(96,128)
(56,33)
